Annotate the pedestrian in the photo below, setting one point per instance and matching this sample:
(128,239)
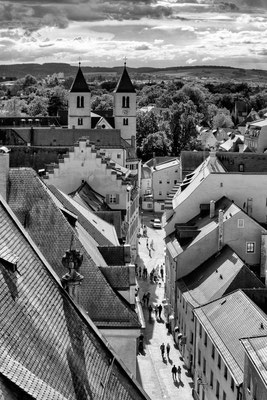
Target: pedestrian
(160,310)
(161,272)
(179,370)
(168,348)
(145,272)
(136,269)
(144,299)
(149,252)
(174,372)
(147,298)
(152,244)
(150,309)
(156,311)
(140,271)
(151,277)
(162,349)
(147,242)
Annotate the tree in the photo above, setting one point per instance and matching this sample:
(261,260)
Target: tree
(222,119)
(57,100)
(183,122)
(38,106)
(157,143)
(102,103)
(13,107)
(146,123)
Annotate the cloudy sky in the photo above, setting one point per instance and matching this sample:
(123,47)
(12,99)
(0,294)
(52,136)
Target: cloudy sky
(148,32)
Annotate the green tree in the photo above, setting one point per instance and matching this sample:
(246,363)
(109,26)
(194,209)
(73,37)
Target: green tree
(57,100)
(222,119)
(102,103)
(13,107)
(38,106)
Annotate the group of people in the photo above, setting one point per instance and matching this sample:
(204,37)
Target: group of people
(157,310)
(175,370)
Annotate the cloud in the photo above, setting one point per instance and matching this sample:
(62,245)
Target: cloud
(142,47)
(191,60)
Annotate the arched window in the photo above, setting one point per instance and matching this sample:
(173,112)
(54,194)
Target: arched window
(78,102)
(82,102)
(125,121)
(123,102)
(127,102)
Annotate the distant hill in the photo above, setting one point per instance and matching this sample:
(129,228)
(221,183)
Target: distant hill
(201,72)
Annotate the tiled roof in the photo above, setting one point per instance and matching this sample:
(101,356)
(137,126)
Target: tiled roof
(252,162)
(227,320)
(222,273)
(124,85)
(48,227)
(118,255)
(119,277)
(79,84)
(256,348)
(102,232)
(90,197)
(50,350)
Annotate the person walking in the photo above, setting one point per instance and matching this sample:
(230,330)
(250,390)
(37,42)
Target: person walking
(147,298)
(149,252)
(161,272)
(144,299)
(162,349)
(156,311)
(174,372)
(152,245)
(140,271)
(150,309)
(168,348)
(160,310)
(179,370)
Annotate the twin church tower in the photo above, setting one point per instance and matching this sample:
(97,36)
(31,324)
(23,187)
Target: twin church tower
(124,107)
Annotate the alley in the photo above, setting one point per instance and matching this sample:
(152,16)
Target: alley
(154,373)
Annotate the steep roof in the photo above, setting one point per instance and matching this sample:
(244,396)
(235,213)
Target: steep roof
(226,321)
(256,349)
(79,84)
(50,349)
(48,227)
(222,273)
(125,84)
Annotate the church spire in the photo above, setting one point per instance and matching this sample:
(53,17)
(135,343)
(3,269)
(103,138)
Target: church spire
(79,84)
(125,84)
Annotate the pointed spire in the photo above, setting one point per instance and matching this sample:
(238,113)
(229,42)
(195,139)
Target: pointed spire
(79,84)
(125,84)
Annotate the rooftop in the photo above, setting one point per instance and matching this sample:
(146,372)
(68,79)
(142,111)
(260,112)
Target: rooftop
(222,273)
(226,321)
(50,349)
(256,349)
(79,84)
(125,84)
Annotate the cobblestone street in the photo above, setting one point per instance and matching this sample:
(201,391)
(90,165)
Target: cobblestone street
(154,373)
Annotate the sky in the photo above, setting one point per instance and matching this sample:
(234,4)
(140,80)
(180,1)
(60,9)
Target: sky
(153,33)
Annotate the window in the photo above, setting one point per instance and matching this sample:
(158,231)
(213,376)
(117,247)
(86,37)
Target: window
(162,207)
(219,361)
(175,181)
(232,384)
(217,389)
(168,181)
(199,357)
(160,193)
(240,223)
(225,372)
(186,308)
(211,379)
(183,303)
(192,316)
(125,121)
(113,198)
(250,247)
(213,351)
(191,337)
(241,167)
(200,331)
(118,155)
(204,366)
(205,339)
(224,395)
(80,121)
(160,181)
(80,102)
(125,102)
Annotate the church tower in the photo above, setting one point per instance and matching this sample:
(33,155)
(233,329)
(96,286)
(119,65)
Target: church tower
(79,115)
(124,110)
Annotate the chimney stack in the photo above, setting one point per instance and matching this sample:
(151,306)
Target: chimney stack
(220,229)
(212,209)
(4,172)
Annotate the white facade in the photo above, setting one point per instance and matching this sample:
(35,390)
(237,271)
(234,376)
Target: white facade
(79,114)
(125,115)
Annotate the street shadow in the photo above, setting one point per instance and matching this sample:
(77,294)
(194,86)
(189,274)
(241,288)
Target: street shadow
(191,384)
(180,383)
(170,360)
(165,360)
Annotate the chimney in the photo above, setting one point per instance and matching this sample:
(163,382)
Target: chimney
(220,229)
(212,209)
(72,260)
(4,172)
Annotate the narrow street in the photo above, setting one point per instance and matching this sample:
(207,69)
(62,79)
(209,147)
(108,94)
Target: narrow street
(154,373)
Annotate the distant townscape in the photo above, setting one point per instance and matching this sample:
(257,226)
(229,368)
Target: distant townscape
(133,233)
